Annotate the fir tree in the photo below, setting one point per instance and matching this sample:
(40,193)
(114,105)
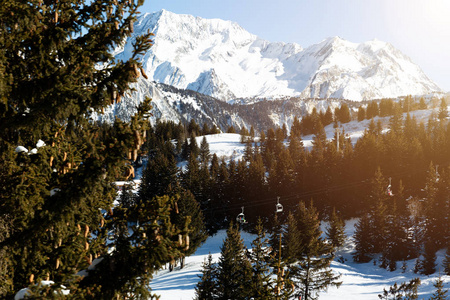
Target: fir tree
(50,73)
(233,268)
(443,110)
(194,150)
(204,153)
(274,240)
(378,198)
(361,114)
(446,263)
(159,175)
(312,273)
(363,244)
(403,291)
(188,217)
(291,241)
(336,230)
(439,293)
(427,265)
(262,284)
(206,287)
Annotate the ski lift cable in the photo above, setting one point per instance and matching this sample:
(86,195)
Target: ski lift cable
(310,193)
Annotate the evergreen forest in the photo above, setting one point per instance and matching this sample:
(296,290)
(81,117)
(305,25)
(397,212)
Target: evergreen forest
(68,232)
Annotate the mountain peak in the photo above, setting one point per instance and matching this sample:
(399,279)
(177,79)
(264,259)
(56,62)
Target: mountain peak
(209,55)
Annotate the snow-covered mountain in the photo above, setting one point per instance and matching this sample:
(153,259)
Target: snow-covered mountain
(182,105)
(221,59)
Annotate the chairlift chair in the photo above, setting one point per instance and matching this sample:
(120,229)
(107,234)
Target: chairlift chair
(278,206)
(389,188)
(241,217)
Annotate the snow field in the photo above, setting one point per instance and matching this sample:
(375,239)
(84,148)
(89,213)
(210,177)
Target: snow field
(360,281)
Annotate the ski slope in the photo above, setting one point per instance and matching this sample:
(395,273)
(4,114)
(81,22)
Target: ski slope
(359,281)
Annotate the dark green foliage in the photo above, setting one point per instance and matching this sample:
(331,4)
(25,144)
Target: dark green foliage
(443,112)
(361,114)
(407,291)
(194,150)
(398,243)
(386,107)
(233,269)
(204,154)
(50,86)
(328,117)
(343,113)
(274,240)
(244,135)
(296,129)
(446,263)
(160,175)
(193,128)
(206,287)
(188,217)
(372,110)
(422,104)
(312,273)
(262,286)
(427,265)
(291,241)
(336,230)
(363,245)
(231,130)
(439,293)
(378,224)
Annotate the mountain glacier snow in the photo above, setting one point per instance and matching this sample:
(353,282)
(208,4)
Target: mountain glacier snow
(221,59)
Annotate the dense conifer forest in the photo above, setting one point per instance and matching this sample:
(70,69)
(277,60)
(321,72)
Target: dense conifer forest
(63,221)
(395,181)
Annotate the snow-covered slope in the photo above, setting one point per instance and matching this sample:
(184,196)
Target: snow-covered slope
(359,281)
(221,59)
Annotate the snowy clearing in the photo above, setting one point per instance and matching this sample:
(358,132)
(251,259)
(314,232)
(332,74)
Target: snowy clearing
(360,281)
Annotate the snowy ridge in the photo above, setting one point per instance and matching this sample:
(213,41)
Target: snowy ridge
(172,104)
(220,59)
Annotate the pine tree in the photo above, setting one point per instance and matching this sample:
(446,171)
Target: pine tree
(188,217)
(312,273)
(291,241)
(275,232)
(233,268)
(427,265)
(328,117)
(194,150)
(296,129)
(204,153)
(395,248)
(443,110)
(446,263)
(206,287)
(160,174)
(363,244)
(422,104)
(378,198)
(406,290)
(343,113)
(50,73)
(439,293)
(336,230)
(361,114)
(262,285)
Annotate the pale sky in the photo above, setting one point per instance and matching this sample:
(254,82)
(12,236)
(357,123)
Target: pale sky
(418,28)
